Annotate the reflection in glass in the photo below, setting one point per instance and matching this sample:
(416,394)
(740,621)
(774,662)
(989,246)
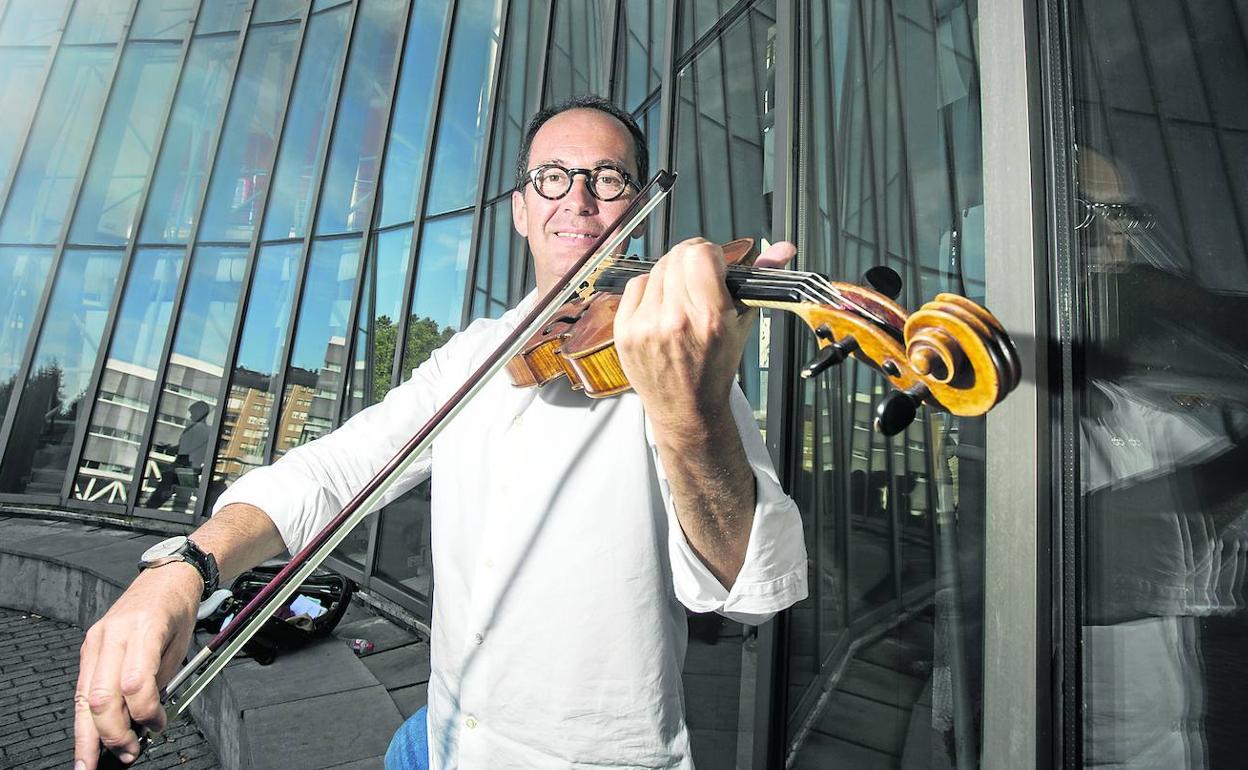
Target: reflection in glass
(639,69)
(189,393)
(310,401)
(21,70)
(241,171)
(221,16)
(518,89)
(377,325)
(722,116)
(885,655)
(128,382)
(405,147)
(97,21)
(246,421)
(24,272)
(579,51)
(351,171)
(32,22)
(58,144)
(442,270)
(500,252)
(177,184)
(123,149)
(465,103)
(1161,407)
(36,459)
(162,19)
(307,125)
(696,19)
(277,10)
(403,552)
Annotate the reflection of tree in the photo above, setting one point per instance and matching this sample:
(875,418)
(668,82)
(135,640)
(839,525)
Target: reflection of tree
(423,337)
(41,398)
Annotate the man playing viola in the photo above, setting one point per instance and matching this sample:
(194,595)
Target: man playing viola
(569,535)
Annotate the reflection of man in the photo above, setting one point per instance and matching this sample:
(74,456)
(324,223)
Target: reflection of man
(1160,473)
(567,533)
(188,462)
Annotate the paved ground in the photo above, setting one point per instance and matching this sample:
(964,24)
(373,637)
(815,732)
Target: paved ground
(38,669)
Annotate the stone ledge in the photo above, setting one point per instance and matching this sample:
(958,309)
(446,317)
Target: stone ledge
(254,716)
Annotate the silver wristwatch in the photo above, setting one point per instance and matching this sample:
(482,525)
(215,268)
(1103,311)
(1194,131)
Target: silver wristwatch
(182,548)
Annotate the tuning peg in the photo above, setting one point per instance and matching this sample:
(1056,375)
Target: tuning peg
(883,279)
(830,355)
(898,409)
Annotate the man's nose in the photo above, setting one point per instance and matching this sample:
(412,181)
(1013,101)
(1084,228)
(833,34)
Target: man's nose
(579,199)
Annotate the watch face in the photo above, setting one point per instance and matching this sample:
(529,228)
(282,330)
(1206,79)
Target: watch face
(164,548)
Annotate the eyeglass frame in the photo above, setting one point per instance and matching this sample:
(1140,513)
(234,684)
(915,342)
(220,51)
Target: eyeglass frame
(532,174)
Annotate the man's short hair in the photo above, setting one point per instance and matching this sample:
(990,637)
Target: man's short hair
(584,103)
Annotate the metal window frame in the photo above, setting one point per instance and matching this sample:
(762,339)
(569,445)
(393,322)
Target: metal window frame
(305,251)
(110,325)
(54,49)
(192,246)
(1017,724)
(32,344)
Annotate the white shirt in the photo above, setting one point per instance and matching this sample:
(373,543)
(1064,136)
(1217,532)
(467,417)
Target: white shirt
(560,567)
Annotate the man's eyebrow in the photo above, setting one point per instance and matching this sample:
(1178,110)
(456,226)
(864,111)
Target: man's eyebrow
(597,163)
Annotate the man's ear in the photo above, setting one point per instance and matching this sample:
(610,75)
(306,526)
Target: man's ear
(519,214)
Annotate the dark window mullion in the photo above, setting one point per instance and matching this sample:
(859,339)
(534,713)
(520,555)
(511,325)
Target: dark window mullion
(110,325)
(474,239)
(305,257)
(422,193)
(149,428)
(57,258)
(54,48)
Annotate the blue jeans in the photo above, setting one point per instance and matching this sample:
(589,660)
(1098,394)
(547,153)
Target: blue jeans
(409,749)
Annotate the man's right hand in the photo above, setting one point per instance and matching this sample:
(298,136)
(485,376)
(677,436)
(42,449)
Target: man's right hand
(127,656)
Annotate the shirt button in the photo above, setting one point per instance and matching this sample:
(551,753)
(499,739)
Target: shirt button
(518,421)
(477,638)
(471,723)
(489,563)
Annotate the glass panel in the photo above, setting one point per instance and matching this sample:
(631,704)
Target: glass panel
(177,185)
(44,423)
(579,51)
(245,425)
(696,19)
(123,148)
(465,106)
(377,325)
(307,125)
(241,173)
(128,382)
(525,28)
(403,555)
(97,21)
(442,270)
(313,379)
(359,132)
(163,19)
(494,261)
(277,10)
(405,148)
(885,655)
(32,22)
(721,114)
(639,70)
(1161,196)
(25,271)
(21,70)
(59,142)
(221,16)
(189,393)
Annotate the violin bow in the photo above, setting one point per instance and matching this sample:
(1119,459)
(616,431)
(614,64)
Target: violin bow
(196,674)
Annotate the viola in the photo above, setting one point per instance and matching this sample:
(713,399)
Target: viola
(951,354)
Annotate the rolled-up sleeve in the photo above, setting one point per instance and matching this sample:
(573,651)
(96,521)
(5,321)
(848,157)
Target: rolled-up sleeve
(310,484)
(773,575)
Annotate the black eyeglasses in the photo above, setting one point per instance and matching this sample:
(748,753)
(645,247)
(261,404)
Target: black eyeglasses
(606,183)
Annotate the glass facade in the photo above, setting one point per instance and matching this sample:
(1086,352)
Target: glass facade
(226,226)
